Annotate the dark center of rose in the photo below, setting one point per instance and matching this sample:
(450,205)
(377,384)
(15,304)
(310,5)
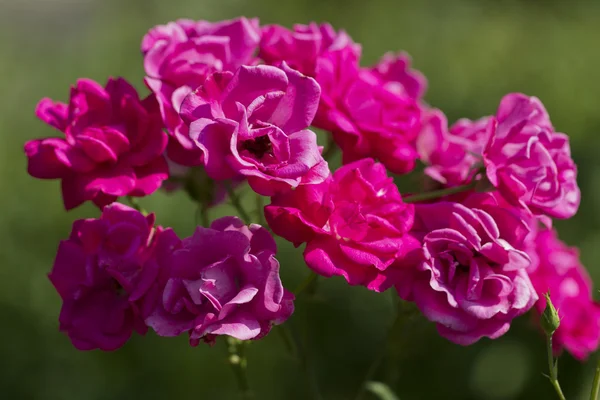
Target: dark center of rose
(258,146)
(120,290)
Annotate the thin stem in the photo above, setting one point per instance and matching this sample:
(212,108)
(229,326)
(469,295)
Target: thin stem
(237,360)
(306,362)
(260,213)
(558,390)
(202,217)
(288,341)
(305,283)
(373,368)
(551,365)
(439,193)
(553,368)
(398,320)
(133,202)
(236,202)
(596,384)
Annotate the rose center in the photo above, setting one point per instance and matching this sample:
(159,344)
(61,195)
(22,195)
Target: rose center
(258,146)
(119,290)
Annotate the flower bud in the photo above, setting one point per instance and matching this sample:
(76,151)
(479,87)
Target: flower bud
(550,319)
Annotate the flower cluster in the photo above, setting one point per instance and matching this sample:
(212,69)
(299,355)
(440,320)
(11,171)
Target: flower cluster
(120,273)
(523,157)
(235,101)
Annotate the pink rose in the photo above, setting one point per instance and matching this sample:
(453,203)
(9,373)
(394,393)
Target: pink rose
(529,162)
(394,72)
(301,47)
(179,31)
(354,224)
(223,280)
(453,156)
(113,144)
(178,57)
(253,123)
(103,273)
(369,111)
(560,272)
(469,277)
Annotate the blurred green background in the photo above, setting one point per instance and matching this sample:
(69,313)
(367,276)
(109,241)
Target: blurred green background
(472,51)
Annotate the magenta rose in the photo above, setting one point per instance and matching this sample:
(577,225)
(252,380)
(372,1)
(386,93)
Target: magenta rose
(354,224)
(178,57)
(302,46)
(529,162)
(395,74)
(369,111)
(113,144)
(103,273)
(453,156)
(469,276)
(223,280)
(253,123)
(560,272)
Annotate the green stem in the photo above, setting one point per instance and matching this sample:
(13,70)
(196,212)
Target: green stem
(202,217)
(435,194)
(553,368)
(287,339)
(237,203)
(397,323)
(373,368)
(260,212)
(237,360)
(305,283)
(596,384)
(133,202)
(307,365)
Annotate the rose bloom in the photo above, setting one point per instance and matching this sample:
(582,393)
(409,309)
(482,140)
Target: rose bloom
(103,273)
(369,111)
(113,144)
(302,46)
(453,155)
(354,224)
(469,276)
(560,272)
(253,123)
(180,55)
(223,280)
(529,162)
(394,72)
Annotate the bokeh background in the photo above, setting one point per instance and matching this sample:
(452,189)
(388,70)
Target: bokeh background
(472,51)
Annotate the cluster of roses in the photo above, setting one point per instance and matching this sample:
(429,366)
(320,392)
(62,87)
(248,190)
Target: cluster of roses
(474,251)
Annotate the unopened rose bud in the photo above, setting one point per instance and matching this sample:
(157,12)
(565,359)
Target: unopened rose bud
(550,319)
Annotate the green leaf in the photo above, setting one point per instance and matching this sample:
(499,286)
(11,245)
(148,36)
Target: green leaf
(381,390)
